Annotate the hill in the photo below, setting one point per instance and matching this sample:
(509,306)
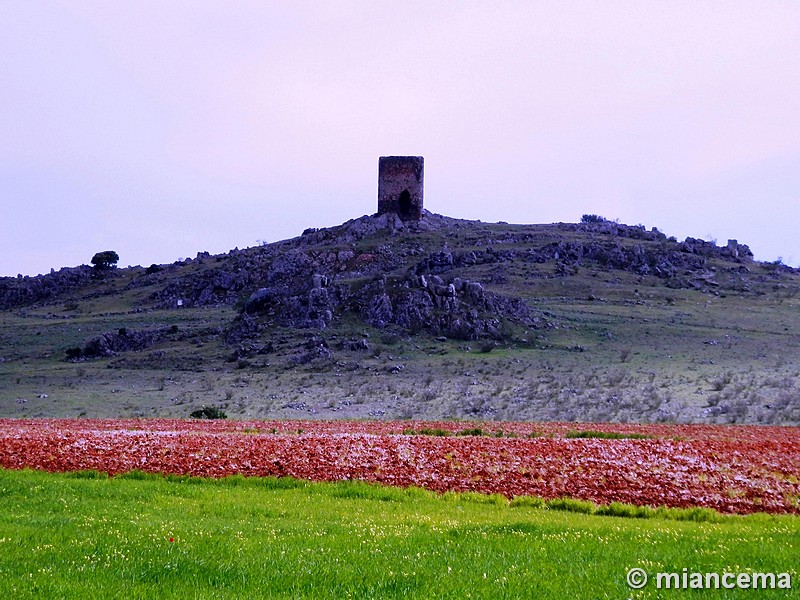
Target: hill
(441,317)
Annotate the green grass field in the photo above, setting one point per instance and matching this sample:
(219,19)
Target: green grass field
(87,536)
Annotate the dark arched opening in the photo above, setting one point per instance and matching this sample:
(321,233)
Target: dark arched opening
(404,203)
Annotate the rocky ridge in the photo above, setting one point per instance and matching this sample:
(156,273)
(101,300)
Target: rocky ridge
(410,275)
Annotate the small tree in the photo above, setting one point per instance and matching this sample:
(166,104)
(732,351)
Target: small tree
(107,259)
(208,412)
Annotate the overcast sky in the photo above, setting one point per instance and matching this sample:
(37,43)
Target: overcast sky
(160,129)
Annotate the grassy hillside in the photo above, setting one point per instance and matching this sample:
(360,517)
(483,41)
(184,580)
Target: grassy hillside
(137,536)
(618,324)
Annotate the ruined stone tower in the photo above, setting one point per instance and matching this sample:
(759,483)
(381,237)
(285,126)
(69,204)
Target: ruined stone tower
(400,186)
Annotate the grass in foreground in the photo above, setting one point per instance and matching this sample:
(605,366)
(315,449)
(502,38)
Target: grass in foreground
(137,536)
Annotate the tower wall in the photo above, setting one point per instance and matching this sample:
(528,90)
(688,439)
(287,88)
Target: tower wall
(400,181)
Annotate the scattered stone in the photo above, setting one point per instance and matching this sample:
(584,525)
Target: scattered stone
(354,345)
(316,349)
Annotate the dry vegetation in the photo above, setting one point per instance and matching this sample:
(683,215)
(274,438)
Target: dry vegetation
(611,346)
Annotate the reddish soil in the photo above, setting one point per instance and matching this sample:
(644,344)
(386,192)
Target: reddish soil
(734,469)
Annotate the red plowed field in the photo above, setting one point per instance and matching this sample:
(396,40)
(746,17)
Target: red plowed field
(729,468)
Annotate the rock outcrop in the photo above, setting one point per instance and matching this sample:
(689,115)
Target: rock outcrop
(123,340)
(23,291)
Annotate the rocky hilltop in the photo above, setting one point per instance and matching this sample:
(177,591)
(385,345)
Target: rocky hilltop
(410,278)
(322,300)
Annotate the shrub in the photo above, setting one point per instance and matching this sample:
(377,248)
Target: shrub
(208,412)
(436,432)
(74,353)
(476,431)
(390,339)
(486,347)
(719,383)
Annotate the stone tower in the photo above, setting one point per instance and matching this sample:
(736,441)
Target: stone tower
(400,186)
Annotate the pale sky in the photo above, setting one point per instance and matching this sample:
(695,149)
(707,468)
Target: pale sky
(163,128)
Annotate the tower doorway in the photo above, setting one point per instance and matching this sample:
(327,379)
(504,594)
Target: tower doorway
(404,204)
